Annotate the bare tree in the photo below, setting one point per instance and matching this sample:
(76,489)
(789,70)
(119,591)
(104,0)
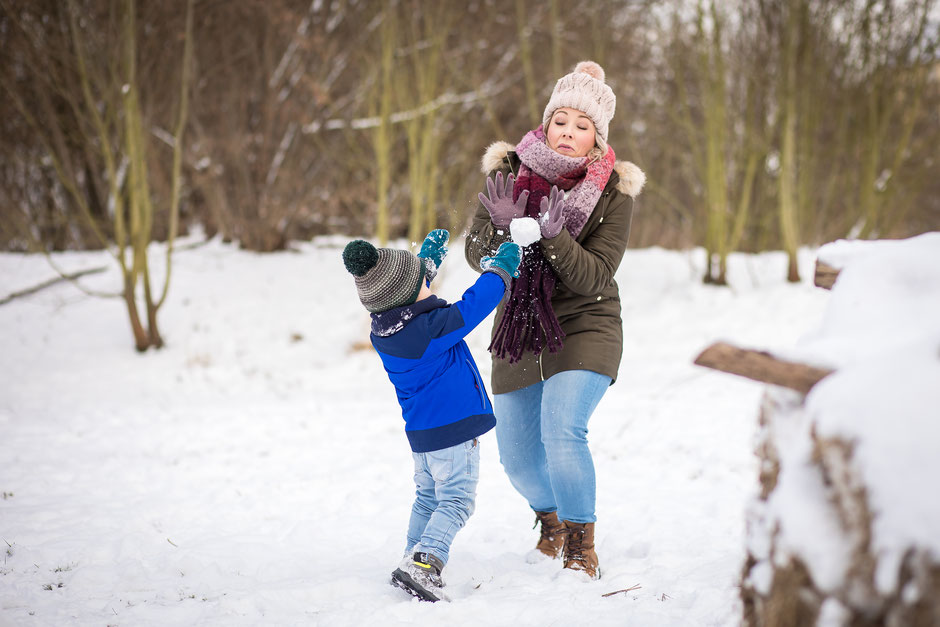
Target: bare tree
(104,130)
(723,156)
(787,194)
(897,47)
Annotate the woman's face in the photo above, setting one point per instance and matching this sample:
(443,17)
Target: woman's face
(570,132)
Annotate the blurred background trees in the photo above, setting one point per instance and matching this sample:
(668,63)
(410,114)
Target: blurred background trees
(78,90)
(761,124)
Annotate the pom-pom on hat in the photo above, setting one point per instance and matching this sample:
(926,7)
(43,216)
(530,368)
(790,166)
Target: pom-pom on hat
(585,90)
(385,277)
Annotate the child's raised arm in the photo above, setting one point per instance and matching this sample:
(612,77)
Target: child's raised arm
(449,325)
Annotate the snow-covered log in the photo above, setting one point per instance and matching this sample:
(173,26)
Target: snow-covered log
(845,529)
(761,366)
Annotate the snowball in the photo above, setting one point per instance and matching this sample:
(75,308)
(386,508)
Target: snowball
(525,231)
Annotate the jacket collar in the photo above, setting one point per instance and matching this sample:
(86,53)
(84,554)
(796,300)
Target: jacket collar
(394,320)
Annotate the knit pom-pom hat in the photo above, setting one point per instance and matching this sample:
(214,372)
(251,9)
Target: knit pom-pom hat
(385,277)
(585,90)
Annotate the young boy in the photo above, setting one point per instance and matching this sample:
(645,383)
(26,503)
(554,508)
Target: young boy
(445,406)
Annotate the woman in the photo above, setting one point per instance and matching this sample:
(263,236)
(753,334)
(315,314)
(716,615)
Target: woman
(558,338)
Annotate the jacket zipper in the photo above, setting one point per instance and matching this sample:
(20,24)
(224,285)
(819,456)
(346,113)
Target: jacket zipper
(478,381)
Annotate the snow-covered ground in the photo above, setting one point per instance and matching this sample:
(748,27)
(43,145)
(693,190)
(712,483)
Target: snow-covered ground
(255,471)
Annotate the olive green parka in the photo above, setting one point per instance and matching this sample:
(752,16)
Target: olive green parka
(586,299)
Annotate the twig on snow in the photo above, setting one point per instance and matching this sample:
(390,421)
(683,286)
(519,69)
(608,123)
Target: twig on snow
(50,282)
(630,589)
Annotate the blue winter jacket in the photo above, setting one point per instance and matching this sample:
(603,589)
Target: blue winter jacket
(439,387)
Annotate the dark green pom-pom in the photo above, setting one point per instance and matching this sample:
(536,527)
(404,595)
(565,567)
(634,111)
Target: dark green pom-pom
(359,256)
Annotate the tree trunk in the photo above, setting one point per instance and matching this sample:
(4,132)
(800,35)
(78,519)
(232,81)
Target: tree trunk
(788,163)
(525,53)
(141,340)
(382,137)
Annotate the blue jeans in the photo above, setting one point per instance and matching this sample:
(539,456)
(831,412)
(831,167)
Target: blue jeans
(445,496)
(541,431)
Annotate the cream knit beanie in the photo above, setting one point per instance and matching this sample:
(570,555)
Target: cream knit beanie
(585,90)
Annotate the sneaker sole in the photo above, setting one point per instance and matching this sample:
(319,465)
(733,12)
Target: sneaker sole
(403,580)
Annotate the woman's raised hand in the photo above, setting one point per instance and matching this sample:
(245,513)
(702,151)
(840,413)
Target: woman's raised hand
(552,213)
(500,205)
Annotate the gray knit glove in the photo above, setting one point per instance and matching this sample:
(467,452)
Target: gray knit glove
(499,204)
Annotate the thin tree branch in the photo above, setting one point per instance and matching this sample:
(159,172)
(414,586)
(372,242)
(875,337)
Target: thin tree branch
(53,281)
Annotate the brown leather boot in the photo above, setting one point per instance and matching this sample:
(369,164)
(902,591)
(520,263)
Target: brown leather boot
(552,534)
(579,548)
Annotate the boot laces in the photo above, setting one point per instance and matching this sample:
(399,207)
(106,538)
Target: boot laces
(547,530)
(575,550)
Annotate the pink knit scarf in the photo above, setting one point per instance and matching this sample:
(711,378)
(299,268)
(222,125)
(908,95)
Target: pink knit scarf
(528,321)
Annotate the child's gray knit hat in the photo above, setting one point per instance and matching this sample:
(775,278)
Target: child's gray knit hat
(584,89)
(385,277)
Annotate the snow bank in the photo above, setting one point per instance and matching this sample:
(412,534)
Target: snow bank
(849,479)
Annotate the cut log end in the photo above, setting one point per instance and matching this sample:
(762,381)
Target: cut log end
(825,276)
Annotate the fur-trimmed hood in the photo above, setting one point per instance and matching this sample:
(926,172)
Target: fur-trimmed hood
(631,180)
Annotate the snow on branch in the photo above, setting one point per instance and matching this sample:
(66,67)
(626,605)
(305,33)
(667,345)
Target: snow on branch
(441,101)
(288,55)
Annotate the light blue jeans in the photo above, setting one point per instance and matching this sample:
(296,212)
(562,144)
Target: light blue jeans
(541,431)
(445,497)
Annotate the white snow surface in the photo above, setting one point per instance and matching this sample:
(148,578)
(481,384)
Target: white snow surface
(255,470)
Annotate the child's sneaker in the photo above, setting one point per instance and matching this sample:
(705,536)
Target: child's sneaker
(420,576)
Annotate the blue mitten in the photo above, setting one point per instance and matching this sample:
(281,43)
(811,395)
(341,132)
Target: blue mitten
(505,262)
(434,249)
